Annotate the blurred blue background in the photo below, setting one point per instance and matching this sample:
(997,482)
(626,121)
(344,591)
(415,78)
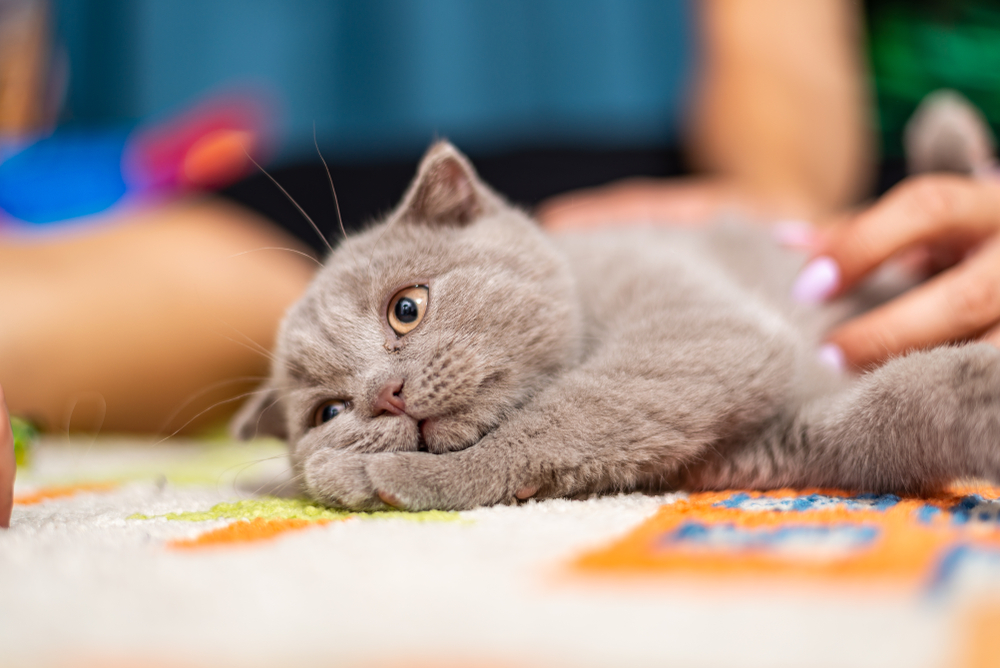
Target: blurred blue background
(382,78)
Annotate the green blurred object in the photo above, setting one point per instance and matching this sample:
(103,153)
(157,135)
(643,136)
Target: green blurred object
(919,46)
(24,441)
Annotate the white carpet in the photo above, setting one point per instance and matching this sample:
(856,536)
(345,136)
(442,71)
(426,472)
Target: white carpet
(82,584)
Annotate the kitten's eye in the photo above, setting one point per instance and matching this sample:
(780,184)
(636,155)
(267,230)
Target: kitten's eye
(327,411)
(406,309)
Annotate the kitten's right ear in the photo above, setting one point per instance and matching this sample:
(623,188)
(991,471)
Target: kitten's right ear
(261,416)
(447,189)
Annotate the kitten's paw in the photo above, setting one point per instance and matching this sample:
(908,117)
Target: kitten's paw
(422,481)
(457,480)
(339,479)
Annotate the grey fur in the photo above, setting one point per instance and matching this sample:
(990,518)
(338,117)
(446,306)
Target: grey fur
(598,362)
(948,133)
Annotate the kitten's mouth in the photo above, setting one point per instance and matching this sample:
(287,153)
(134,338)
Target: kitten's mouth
(438,436)
(423,426)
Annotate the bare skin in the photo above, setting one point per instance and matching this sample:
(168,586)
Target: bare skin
(685,201)
(140,325)
(943,217)
(8,467)
(778,122)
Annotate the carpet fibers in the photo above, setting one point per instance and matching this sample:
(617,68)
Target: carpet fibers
(130,553)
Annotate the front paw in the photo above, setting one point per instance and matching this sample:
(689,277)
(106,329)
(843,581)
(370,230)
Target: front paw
(423,481)
(410,480)
(339,479)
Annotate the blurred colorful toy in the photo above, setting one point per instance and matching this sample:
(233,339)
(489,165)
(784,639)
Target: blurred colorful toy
(76,173)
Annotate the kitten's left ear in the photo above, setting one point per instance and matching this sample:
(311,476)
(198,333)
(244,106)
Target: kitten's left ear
(261,415)
(447,190)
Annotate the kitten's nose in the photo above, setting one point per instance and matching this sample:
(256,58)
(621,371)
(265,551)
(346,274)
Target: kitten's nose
(390,398)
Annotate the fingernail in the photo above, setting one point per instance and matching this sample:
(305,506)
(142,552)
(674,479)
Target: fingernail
(818,280)
(830,355)
(988,172)
(795,234)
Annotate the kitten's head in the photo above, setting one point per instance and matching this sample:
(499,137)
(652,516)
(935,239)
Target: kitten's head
(423,332)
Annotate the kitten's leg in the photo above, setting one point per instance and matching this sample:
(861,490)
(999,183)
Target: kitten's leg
(912,426)
(629,416)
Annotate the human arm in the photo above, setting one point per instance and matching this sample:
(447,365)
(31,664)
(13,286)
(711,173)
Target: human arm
(149,322)
(781,106)
(778,121)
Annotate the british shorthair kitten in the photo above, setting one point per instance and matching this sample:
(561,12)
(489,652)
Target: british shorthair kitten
(454,355)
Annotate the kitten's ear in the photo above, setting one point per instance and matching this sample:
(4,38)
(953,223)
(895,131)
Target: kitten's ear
(261,416)
(447,189)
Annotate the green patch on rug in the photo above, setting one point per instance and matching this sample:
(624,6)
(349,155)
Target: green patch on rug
(273,508)
(24,440)
(60,460)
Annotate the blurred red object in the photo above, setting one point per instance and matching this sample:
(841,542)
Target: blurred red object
(206,147)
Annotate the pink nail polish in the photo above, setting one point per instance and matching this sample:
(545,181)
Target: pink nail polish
(988,172)
(794,234)
(830,355)
(818,280)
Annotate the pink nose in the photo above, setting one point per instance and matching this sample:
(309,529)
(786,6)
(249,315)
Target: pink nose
(390,398)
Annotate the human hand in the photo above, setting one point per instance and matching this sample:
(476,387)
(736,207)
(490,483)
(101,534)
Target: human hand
(677,201)
(953,222)
(8,466)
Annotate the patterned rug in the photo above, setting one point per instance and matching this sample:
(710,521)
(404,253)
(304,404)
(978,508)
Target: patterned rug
(131,553)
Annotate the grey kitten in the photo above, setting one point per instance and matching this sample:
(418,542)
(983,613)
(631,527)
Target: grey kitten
(454,355)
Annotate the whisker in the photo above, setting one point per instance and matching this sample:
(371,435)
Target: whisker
(69,419)
(264,354)
(292,200)
(336,203)
(205,390)
(259,348)
(270,481)
(290,250)
(243,468)
(293,480)
(256,427)
(202,412)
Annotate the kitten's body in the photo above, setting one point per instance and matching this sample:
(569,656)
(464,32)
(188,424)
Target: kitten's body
(617,360)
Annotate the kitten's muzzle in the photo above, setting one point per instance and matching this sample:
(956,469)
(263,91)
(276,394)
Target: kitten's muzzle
(390,399)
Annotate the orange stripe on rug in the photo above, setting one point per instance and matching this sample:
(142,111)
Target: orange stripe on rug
(703,535)
(982,646)
(60,492)
(243,531)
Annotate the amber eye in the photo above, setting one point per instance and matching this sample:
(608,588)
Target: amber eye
(327,411)
(407,308)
